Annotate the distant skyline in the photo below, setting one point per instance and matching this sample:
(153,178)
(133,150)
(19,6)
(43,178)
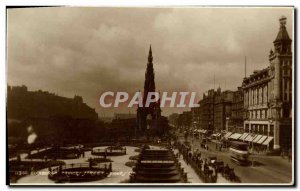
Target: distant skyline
(87,51)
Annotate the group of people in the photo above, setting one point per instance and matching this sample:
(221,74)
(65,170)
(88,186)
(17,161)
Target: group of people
(286,153)
(206,168)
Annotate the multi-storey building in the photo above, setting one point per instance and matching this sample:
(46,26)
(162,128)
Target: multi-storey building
(184,120)
(268,95)
(207,111)
(236,122)
(196,117)
(216,107)
(222,109)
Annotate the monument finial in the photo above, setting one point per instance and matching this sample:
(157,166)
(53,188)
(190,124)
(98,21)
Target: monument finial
(282,21)
(150,57)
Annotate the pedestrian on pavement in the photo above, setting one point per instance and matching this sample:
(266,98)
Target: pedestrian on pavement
(282,154)
(290,155)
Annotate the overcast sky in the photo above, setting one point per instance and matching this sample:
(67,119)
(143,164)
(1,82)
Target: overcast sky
(87,51)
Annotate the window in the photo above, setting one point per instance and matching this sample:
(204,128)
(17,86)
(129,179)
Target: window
(260,129)
(260,95)
(251,97)
(256,129)
(247,128)
(286,111)
(265,130)
(257,96)
(263,94)
(285,96)
(271,134)
(252,128)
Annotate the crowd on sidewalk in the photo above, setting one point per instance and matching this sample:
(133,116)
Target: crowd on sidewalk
(207,168)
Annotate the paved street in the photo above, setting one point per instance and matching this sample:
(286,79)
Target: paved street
(268,169)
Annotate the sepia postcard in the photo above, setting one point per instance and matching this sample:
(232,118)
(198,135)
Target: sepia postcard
(131,96)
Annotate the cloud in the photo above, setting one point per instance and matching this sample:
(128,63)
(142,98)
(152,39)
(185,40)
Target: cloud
(85,51)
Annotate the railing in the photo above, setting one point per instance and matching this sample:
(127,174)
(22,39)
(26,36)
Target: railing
(108,151)
(84,166)
(157,161)
(98,151)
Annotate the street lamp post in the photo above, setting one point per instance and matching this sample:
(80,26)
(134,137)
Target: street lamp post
(252,157)
(268,146)
(193,129)
(227,123)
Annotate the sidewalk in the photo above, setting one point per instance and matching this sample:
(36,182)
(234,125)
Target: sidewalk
(191,174)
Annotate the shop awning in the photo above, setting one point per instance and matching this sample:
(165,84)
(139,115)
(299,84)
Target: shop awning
(262,139)
(250,137)
(247,136)
(257,138)
(235,136)
(243,136)
(269,139)
(227,134)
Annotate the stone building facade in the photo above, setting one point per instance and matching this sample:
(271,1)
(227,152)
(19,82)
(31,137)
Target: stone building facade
(218,106)
(268,94)
(222,105)
(207,111)
(236,121)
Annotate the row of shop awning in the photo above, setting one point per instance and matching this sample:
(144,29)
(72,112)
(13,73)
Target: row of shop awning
(235,136)
(262,139)
(259,139)
(243,136)
(269,139)
(227,135)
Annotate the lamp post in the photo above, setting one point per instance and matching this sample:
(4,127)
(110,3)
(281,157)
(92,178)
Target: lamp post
(209,126)
(252,157)
(270,122)
(193,129)
(227,123)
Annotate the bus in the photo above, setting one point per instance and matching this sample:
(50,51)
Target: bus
(239,152)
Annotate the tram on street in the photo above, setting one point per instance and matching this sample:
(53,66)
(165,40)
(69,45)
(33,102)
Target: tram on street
(239,152)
